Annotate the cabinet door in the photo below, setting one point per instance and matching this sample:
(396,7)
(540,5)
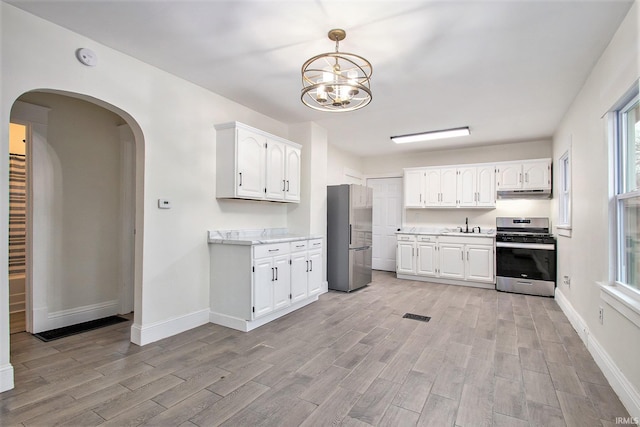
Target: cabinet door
(314,277)
(250,161)
(405,258)
(448,187)
(414,189)
(479,263)
(467,194)
(282,282)
(451,260)
(486,186)
(509,176)
(299,271)
(537,175)
(427,260)
(263,278)
(432,187)
(276,182)
(292,172)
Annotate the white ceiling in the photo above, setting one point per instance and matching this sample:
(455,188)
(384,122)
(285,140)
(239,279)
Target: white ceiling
(507,69)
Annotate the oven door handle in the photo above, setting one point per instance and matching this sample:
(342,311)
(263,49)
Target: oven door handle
(542,246)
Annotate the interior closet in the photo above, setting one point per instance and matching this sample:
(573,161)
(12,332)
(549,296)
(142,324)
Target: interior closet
(17,227)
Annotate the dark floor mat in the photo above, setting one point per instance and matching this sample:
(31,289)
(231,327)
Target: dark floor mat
(55,334)
(416,317)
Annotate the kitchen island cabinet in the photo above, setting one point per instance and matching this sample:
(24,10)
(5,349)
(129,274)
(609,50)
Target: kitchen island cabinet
(257,280)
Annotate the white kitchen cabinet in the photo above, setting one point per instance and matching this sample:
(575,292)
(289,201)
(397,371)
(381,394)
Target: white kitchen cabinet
(476,186)
(427,256)
(414,188)
(524,175)
(250,169)
(441,187)
(254,284)
(252,164)
(447,259)
(451,260)
(479,264)
(306,269)
(405,256)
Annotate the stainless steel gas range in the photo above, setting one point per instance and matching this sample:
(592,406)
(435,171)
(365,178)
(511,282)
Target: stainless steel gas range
(525,256)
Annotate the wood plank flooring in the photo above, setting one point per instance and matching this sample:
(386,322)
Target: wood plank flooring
(485,359)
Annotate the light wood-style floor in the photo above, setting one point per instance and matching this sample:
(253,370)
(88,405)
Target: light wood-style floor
(485,358)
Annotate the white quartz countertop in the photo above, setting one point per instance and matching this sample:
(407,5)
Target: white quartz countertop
(447,231)
(256,237)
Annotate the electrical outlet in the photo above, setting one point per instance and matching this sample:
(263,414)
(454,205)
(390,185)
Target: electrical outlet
(601,315)
(567,280)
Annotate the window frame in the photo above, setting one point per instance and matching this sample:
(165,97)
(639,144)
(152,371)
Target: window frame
(565,194)
(620,192)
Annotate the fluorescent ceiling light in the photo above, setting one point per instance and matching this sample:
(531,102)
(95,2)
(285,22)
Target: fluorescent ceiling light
(427,136)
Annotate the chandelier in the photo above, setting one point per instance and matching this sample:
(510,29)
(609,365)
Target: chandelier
(336,81)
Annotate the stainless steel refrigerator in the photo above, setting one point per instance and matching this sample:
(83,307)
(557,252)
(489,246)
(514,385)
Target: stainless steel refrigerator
(349,236)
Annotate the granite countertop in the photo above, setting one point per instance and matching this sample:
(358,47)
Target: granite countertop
(446,231)
(256,237)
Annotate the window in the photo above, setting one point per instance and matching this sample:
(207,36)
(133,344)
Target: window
(627,192)
(564,196)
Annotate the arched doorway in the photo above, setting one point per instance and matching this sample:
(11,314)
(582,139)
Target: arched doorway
(85,161)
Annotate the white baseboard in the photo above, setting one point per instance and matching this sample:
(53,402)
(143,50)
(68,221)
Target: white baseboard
(45,321)
(628,394)
(249,325)
(6,377)
(145,334)
(439,280)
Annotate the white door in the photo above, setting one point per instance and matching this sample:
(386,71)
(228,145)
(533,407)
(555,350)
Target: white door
(263,278)
(536,175)
(448,186)
(299,271)
(486,185)
(406,252)
(282,282)
(292,168)
(276,182)
(467,187)
(480,263)
(509,176)
(451,260)
(250,158)
(413,188)
(427,261)
(387,219)
(432,187)
(314,277)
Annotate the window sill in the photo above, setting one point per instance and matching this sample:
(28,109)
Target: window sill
(621,301)
(563,230)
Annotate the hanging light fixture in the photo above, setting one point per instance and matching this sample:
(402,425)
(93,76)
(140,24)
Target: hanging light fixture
(336,81)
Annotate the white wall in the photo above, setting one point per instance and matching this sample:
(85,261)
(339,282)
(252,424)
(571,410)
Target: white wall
(173,123)
(585,255)
(485,218)
(343,167)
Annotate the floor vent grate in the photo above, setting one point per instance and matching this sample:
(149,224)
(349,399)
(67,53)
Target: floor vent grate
(416,317)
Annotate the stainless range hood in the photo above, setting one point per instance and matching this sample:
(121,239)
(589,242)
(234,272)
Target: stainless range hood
(524,194)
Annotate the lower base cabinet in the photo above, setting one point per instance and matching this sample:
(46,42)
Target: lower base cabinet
(251,285)
(447,259)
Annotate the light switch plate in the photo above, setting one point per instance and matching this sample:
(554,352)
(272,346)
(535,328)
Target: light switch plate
(164,204)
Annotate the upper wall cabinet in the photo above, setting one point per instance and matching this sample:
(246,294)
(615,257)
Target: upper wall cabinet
(524,175)
(252,164)
(450,187)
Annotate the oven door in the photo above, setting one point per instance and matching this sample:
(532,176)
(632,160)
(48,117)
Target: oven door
(528,261)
